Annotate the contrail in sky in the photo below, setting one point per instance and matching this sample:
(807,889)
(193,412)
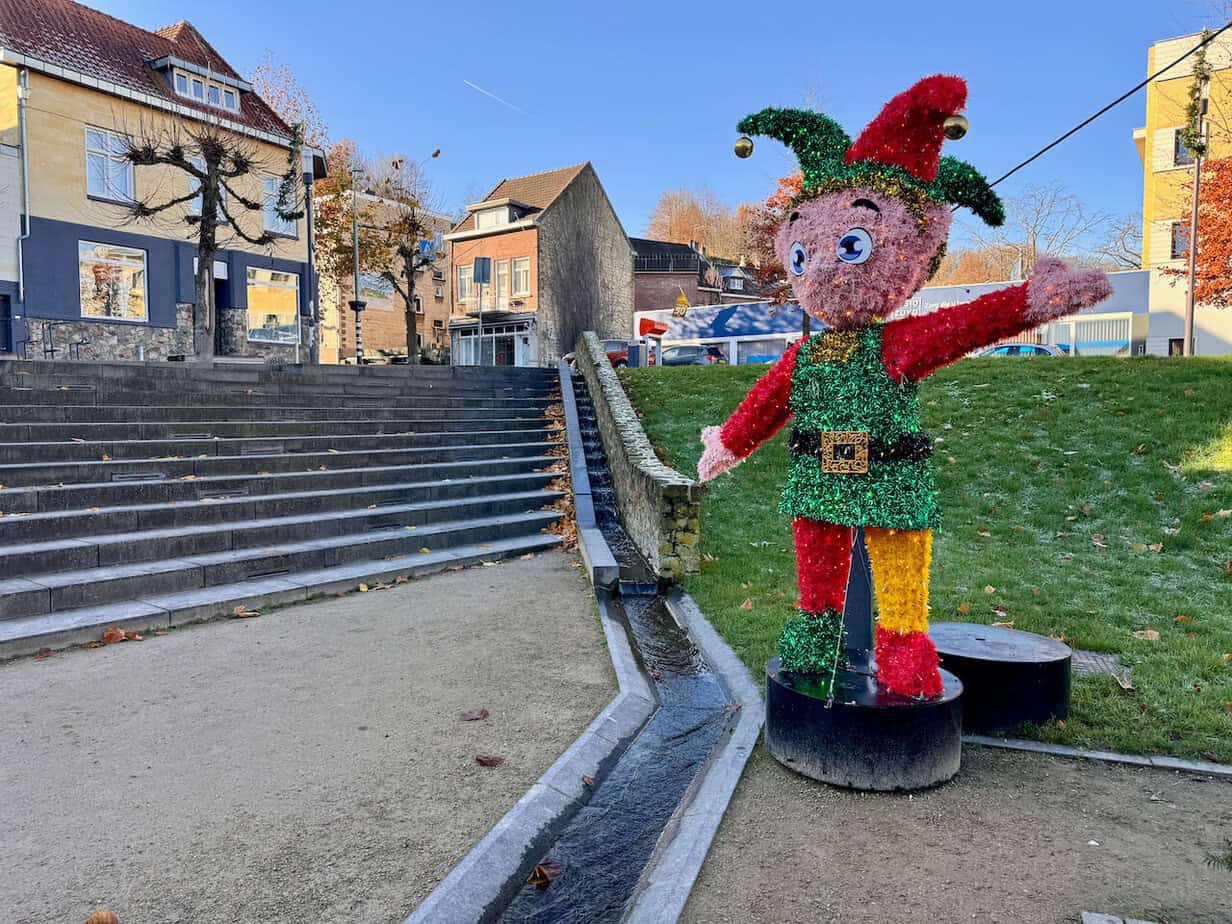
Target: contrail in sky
(503,102)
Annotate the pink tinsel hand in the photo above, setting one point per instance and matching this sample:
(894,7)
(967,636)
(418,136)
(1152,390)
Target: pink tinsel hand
(1054,290)
(717,458)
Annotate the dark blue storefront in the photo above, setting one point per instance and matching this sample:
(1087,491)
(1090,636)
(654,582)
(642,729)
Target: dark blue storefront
(52,277)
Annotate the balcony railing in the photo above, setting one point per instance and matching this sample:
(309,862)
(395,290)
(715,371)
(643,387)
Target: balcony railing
(667,263)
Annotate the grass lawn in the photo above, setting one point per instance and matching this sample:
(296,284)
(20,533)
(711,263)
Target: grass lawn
(1087,499)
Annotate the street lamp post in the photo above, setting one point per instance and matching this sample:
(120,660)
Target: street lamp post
(356,305)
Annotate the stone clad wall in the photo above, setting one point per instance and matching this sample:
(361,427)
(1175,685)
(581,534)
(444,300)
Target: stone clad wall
(658,506)
(114,342)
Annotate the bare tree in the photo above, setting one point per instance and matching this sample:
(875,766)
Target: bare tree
(1043,220)
(214,161)
(1121,248)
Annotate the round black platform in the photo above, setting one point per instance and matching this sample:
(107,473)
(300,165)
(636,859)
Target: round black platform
(1010,676)
(869,738)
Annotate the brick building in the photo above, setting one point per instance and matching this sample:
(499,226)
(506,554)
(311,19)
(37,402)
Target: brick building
(561,264)
(664,269)
(384,321)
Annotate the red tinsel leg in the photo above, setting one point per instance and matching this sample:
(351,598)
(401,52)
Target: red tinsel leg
(823,562)
(907,663)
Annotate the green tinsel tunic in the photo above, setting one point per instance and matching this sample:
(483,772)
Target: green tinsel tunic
(829,393)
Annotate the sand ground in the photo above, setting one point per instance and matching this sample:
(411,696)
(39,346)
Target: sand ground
(306,765)
(1009,839)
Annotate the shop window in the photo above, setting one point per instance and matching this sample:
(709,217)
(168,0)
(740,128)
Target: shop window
(273,306)
(112,281)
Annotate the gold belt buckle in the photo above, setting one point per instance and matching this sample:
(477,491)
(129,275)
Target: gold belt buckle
(844,452)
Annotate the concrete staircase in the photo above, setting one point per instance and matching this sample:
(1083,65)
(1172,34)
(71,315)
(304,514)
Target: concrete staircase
(147,496)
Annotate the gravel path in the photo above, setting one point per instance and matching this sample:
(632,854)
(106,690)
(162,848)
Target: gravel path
(307,765)
(1008,840)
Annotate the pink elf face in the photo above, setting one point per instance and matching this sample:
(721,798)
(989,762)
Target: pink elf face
(855,255)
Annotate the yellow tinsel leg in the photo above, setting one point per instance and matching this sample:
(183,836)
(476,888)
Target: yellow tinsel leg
(906,656)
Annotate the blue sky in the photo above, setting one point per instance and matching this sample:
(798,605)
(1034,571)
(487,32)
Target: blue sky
(651,92)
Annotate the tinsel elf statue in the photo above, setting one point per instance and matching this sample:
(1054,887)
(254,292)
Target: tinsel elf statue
(867,230)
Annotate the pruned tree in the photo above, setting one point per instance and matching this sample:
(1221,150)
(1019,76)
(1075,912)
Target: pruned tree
(404,220)
(220,168)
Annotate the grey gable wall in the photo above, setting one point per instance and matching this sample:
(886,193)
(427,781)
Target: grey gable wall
(585,269)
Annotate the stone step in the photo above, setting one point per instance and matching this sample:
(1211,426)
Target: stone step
(28,635)
(70,524)
(33,559)
(48,498)
(11,433)
(167,393)
(410,407)
(28,474)
(94,450)
(44,593)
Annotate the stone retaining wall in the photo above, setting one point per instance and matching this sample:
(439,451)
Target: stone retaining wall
(658,506)
(113,341)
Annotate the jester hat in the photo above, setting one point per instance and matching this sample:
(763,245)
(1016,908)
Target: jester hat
(898,154)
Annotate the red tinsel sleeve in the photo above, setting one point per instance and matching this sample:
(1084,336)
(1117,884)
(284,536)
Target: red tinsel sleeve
(915,347)
(764,409)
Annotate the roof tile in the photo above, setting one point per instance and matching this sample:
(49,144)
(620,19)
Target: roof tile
(538,190)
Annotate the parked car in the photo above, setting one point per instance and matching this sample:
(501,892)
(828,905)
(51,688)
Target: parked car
(694,356)
(618,353)
(1022,349)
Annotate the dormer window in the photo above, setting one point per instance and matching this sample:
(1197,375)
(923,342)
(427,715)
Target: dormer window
(210,92)
(493,218)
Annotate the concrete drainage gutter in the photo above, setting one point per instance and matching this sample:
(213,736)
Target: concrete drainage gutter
(484,884)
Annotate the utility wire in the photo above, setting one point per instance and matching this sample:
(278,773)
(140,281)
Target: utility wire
(1120,99)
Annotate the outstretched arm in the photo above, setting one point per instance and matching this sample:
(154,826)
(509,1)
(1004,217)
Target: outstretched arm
(918,346)
(762,412)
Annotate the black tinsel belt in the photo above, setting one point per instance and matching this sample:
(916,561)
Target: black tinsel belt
(913,447)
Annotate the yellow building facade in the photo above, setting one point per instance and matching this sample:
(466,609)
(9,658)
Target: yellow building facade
(1167,188)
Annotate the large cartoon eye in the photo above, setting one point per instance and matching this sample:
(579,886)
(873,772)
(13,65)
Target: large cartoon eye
(797,259)
(855,246)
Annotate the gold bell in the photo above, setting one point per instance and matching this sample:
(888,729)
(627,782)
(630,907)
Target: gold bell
(955,127)
(744,146)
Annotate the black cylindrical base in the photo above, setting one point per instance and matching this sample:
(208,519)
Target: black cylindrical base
(1010,677)
(867,738)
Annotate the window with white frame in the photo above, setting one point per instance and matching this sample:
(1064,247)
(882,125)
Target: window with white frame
(492,218)
(112,281)
(1181,155)
(502,279)
(736,283)
(465,277)
(210,92)
(418,305)
(273,306)
(109,172)
(273,221)
(521,276)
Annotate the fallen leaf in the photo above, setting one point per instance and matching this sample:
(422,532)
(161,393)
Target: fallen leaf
(1223,513)
(1156,547)
(1189,392)
(1097,540)
(964,609)
(242,612)
(1086,509)
(401,579)
(588,780)
(1124,682)
(1004,625)
(542,875)
(410,527)
(43,653)
(363,588)
(1137,547)
(424,550)
(372,506)
(1140,449)
(475,715)
(1226,658)
(1207,517)
(1183,618)
(1206,485)
(489,760)
(106,458)
(747,604)
(112,634)
(133,637)
(1149,635)
(527,557)
(103,917)
(989,589)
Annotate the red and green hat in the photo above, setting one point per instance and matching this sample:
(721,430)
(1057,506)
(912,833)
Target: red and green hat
(898,154)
